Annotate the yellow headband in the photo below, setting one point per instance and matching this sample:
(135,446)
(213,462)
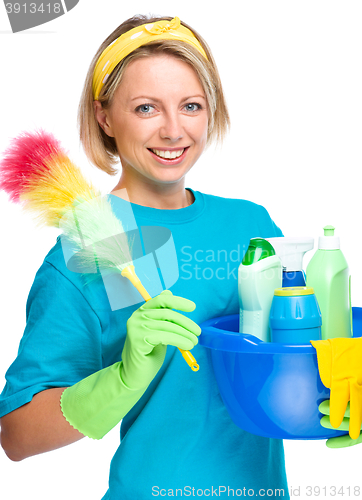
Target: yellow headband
(134,38)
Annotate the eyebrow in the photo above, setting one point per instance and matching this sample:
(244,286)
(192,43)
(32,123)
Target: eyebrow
(159,100)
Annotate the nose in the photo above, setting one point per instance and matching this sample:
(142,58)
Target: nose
(172,128)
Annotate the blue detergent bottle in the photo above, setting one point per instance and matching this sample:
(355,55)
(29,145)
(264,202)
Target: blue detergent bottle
(291,251)
(295,317)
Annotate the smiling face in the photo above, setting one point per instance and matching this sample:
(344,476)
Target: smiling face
(159,120)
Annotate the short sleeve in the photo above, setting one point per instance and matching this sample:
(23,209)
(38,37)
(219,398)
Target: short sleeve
(268,228)
(61,343)
(276,230)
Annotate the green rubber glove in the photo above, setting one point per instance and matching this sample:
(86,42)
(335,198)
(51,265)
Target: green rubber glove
(340,441)
(97,403)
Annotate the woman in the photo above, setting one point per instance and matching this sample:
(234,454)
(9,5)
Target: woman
(152,99)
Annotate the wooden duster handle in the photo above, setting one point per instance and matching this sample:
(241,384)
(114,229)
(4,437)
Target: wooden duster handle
(129,272)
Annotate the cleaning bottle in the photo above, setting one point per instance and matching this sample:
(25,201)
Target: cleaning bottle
(260,273)
(328,274)
(295,317)
(291,251)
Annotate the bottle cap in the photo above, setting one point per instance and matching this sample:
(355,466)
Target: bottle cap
(258,249)
(328,241)
(293,291)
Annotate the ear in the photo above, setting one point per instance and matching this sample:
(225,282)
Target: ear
(102,118)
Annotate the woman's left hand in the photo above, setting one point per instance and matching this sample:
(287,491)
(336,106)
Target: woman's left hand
(340,370)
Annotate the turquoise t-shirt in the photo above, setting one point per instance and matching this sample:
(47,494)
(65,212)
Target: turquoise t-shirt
(178,440)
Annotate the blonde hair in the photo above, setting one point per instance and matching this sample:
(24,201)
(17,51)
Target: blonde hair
(98,146)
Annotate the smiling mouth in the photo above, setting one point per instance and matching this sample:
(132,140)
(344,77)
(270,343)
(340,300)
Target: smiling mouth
(168,155)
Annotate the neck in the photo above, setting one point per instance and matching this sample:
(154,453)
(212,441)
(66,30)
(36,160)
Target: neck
(164,197)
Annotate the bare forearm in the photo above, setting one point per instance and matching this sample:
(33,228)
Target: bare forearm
(37,427)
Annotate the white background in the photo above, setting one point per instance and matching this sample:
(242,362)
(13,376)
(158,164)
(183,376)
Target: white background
(292,75)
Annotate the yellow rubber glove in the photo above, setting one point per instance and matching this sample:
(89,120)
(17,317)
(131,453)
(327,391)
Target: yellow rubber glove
(340,369)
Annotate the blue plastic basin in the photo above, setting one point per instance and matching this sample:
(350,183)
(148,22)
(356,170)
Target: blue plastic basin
(269,389)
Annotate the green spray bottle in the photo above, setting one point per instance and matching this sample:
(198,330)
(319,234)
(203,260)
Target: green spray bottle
(328,275)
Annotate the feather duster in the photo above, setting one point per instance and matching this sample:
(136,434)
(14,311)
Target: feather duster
(37,173)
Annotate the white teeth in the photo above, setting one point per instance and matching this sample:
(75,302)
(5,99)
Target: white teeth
(169,155)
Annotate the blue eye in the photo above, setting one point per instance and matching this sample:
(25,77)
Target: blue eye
(144,109)
(193,106)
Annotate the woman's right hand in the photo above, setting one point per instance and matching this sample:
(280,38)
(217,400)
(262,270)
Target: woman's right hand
(150,329)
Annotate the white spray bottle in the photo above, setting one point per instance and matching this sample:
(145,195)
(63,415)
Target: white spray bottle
(291,251)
